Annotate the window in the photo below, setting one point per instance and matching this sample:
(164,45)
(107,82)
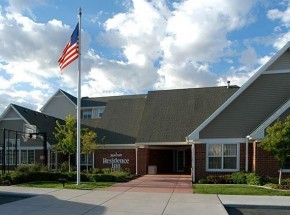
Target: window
(87,114)
(10,152)
(27,156)
(287,164)
(101,112)
(222,157)
(84,158)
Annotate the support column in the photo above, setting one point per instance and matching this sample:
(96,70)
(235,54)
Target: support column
(136,157)
(193,162)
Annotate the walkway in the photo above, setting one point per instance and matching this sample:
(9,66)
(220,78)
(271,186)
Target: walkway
(160,196)
(156,184)
(96,202)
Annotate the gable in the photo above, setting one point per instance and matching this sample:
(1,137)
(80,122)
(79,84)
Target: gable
(11,114)
(281,113)
(59,106)
(15,125)
(264,101)
(282,63)
(259,101)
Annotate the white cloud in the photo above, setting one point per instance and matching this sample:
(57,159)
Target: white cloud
(183,40)
(249,57)
(162,48)
(29,55)
(284,17)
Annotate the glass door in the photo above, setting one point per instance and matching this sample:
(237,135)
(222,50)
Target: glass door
(180,160)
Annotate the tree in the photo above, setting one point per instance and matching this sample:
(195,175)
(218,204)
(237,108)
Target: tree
(89,143)
(66,136)
(277,142)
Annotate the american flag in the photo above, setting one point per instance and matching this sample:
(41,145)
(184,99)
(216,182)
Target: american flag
(71,50)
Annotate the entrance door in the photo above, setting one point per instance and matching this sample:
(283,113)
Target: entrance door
(180,160)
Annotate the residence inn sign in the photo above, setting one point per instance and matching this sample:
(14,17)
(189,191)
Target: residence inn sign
(115,160)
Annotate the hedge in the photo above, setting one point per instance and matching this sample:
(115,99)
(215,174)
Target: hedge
(17,177)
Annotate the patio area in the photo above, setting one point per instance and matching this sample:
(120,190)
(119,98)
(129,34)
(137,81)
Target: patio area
(156,183)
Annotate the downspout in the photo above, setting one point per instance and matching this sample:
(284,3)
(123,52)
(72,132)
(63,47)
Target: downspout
(247,154)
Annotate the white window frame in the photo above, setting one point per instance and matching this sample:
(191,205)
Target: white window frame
(222,160)
(12,141)
(87,111)
(85,155)
(96,112)
(27,156)
(100,111)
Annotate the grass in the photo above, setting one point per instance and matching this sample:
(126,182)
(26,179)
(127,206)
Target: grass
(237,189)
(68,185)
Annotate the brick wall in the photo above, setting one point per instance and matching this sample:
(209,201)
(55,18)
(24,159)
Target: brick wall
(163,159)
(264,163)
(143,161)
(39,157)
(200,161)
(128,154)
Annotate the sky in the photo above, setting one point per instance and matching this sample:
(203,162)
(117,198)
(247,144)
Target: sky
(135,46)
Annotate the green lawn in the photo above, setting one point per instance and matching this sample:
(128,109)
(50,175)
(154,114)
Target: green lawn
(69,185)
(236,189)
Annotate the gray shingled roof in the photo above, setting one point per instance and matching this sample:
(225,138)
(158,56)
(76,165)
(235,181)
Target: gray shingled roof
(71,97)
(100,101)
(171,115)
(43,122)
(121,120)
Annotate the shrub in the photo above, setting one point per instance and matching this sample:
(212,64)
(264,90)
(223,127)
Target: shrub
(239,178)
(286,181)
(106,170)
(277,186)
(219,179)
(120,176)
(202,181)
(254,179)
(31,168)
(23,168)
(64,167)
(96,171)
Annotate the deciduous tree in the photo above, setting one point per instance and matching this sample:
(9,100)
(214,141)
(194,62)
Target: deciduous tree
(277,142)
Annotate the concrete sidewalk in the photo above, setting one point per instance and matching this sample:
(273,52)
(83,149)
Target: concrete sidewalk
(97,202)
(77,202)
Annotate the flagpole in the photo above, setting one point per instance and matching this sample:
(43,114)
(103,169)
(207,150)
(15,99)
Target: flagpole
(79,107)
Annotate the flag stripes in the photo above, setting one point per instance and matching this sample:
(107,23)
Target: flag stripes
(71,50)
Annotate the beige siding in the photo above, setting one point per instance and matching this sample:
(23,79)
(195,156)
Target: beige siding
(59,106)
(11,114)
(282,63)
(258,102)
(17,125)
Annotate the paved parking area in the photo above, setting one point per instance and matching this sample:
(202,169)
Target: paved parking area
(148,195)
(96,202)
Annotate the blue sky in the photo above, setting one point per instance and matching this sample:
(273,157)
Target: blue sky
(133,46)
